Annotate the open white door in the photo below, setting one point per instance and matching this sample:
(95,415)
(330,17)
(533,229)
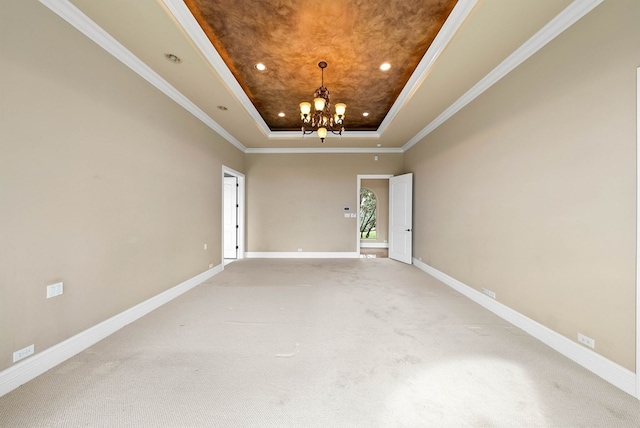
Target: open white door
(230,217)
(400,217)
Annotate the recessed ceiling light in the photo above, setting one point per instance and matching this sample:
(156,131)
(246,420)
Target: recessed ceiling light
(281,114)
(385,66)
(223,108)
(365,114)
(173,58)
(260,66)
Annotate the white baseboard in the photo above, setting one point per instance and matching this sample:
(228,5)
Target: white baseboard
(596,363)
(301,255)
(28,369)
(374,244)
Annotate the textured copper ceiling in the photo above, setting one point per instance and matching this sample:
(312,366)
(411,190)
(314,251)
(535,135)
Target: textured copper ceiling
(291,36)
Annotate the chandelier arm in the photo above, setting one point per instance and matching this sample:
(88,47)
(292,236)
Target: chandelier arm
(321,117)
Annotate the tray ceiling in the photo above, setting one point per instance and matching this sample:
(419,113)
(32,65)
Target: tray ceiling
(443,54)
(290,37)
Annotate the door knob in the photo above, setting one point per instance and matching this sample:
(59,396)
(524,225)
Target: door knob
(408,230)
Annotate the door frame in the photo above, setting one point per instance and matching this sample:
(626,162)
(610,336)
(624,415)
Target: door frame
(230,217)
(638,233)
(361,177)
(241,211)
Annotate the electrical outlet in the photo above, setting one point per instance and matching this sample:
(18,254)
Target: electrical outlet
(591,343)
(54,290)
(205,246)
(210,265)
(489,293)
(23,353)
(299,249)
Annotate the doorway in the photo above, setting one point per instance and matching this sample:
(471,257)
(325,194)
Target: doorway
(372,239)
(399,209)
(232,215)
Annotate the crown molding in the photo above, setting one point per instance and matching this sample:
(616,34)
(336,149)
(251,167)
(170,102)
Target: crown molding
(456,18)
(565,19)
(293,150)
(297,135)
(70,13)
(185,18)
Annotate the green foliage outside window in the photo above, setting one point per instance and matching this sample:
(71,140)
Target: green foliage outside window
(368,210)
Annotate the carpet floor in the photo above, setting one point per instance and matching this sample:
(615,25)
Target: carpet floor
(319,343)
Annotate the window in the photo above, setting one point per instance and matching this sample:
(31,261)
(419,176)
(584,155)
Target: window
(368,214)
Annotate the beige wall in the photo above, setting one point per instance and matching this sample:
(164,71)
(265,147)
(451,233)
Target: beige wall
(530,190)
(380,187)
(296,201)
(109,186)
(105,184)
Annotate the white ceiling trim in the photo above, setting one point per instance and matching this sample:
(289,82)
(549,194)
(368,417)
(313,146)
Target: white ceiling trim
(70,13)
(185,18)
(291,135)
(377,150)
(89,28)
(565,19)
(457,16)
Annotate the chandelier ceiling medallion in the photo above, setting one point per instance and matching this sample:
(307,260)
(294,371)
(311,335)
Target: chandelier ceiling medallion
(322,120)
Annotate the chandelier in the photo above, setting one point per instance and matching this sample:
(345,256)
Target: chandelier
(322,120)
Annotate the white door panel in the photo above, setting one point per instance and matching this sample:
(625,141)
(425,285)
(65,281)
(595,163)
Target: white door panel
(400,217)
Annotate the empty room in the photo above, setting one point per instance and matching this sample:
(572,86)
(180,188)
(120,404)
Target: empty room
(185,240)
